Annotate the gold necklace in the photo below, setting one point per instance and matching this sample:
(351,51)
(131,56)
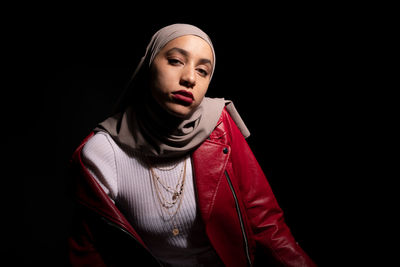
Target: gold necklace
(167,169)
(177,195)
(176,192)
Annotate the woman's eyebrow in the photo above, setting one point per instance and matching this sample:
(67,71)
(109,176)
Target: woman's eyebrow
(179,50)
(186,54)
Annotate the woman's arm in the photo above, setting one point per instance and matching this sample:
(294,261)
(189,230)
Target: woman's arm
(270,231)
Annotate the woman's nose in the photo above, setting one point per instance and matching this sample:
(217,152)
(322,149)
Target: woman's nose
(188,77)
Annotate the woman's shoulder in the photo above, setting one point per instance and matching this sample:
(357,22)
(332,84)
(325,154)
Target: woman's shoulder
(100,144)
(96,145)
(226,122)
(222,132)
(232,117)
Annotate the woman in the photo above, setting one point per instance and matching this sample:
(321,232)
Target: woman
(169,179)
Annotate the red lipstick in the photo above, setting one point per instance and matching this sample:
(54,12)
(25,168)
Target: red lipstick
(184,97)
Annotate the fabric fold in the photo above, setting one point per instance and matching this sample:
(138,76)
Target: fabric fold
(148,134)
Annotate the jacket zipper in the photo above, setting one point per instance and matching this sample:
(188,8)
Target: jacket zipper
(246,244)
(112,224)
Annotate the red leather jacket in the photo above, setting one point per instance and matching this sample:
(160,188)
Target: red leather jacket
(242,218)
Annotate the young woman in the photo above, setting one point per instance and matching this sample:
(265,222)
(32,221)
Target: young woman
(169,179)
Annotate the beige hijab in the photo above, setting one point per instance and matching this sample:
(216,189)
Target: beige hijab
(151,131)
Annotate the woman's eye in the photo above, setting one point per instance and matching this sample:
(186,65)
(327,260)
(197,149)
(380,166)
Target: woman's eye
(203,72)
(174,61)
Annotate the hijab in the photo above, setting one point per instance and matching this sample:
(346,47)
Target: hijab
(149,130)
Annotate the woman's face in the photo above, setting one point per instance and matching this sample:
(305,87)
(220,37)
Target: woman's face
(180,74)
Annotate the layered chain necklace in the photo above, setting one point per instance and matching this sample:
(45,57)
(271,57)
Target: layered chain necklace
(169,197)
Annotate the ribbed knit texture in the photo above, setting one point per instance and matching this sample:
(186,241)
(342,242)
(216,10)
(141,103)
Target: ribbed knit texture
(129,183)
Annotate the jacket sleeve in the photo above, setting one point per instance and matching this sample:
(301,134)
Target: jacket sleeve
(81,248)
(80,242)
(270,232)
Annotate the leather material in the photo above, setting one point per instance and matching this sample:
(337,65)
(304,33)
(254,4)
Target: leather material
(242,217)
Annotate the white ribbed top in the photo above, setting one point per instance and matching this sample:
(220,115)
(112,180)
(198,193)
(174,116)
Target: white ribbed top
(128,182)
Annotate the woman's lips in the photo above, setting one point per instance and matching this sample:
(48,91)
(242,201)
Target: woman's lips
(184,97)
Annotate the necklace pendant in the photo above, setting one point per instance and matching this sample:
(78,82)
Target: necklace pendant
(176,194)
(175,231)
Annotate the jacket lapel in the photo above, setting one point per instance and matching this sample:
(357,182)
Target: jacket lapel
(209,162)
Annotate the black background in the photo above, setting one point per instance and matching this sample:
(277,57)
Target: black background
(299,76)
